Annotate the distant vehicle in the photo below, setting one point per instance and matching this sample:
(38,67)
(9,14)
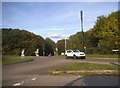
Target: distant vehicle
(74,54)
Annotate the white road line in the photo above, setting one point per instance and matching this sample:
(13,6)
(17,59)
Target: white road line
(20,83)
(34,79)
(17,84)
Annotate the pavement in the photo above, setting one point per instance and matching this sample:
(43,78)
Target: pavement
(36,73)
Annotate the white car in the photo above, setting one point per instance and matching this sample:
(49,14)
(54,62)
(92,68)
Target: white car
(74,54)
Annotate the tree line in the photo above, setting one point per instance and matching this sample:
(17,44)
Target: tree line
(15,40)
(103,38)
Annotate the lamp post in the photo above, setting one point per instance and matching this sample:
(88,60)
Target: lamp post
(65,37)
(56,51)
(43,49)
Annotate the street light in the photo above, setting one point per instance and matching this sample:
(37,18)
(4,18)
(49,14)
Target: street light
(65,37)
(43,49)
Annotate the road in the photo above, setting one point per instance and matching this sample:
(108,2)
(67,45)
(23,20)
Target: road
(36,73)
(95,81)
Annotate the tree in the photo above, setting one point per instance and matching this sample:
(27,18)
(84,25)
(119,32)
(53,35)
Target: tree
(76,41)
(14,40)
(49,47)
(102,38)
(105,33)
(61,46)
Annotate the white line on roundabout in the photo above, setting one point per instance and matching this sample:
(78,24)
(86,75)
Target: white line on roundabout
(20,83)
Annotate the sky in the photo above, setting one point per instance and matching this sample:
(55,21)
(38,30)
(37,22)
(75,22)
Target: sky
(56,20)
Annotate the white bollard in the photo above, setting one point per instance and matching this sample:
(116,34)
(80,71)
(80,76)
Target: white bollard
(22,53)
(36,52)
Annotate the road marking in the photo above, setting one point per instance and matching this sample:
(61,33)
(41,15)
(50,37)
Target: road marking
(17,84)
(34,79)
(20,83)
(80,76)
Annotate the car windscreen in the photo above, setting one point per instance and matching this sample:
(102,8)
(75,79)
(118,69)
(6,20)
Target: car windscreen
(76,51)
(69,51)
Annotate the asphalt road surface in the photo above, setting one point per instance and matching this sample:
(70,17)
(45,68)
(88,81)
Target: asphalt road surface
(95,81)
(36,73)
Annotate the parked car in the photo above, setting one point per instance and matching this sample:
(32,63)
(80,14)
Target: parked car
(74,54)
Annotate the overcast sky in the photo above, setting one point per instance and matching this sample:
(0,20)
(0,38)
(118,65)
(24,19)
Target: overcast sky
(49,19)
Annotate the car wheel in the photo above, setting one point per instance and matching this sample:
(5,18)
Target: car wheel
(74,57)
(66,57)
(83,57)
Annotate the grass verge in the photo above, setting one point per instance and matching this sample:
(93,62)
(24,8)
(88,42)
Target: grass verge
(88,73)
(113,56)
(83,68)
(97,56)
(88,66)
(15,59)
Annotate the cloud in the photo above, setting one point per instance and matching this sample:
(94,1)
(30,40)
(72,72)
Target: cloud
(53,29)
(53,35)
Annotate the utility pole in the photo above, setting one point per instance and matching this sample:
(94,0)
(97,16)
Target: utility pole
(65,37)
(82,30)
(43,49)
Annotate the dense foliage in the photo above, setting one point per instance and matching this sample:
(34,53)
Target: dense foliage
(61,46)
(14,40)
(49,47)
(102,38)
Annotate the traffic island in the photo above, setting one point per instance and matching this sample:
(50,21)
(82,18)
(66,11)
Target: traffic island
(87,72)
(83,68)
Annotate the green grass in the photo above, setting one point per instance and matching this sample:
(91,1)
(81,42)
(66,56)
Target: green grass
(89,73)
(111,56)
(102,56)
(15,59)
(88,66)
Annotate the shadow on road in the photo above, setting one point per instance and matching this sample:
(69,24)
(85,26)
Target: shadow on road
(95,81)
